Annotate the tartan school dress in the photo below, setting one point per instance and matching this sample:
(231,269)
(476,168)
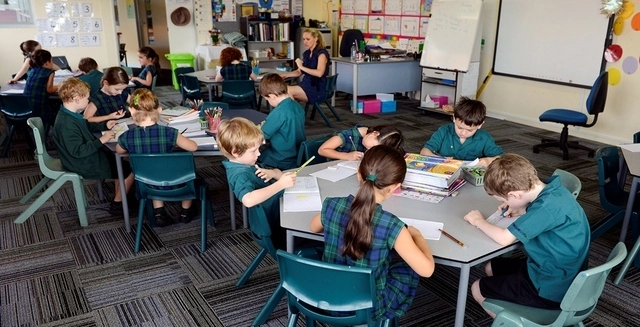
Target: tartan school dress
(236,72)
(36,91)
(355,135)
(151,69)
(396,282)
(107,104)
(314,87)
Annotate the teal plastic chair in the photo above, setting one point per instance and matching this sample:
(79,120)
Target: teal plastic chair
(570,181)
(52,170)
(632,257)
(578,303)
(329,92)
(309,148)
(189,88)
(182,70)
(153,83)
(320,289)
(16,110)
(129,70)
(239,94)
(154,173)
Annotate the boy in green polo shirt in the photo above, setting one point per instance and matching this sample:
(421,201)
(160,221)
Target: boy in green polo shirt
(464,140)
(552,227)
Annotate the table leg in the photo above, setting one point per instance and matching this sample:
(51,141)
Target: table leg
(210,89)
(629,209)
(333,98)
(463,285)
(354,103)
(123,192)
(289,241)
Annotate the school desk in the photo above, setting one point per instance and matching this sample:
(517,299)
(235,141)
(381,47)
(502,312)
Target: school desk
(207,77)
(208,150)
(450,211)
(18,88)
(369,78)
(208,56)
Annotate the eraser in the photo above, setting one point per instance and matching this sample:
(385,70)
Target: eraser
(332,167)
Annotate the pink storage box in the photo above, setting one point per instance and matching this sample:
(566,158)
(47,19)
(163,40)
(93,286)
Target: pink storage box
(371,106)
(441,99)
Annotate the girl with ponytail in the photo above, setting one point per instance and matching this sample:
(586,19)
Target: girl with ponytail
(357,232)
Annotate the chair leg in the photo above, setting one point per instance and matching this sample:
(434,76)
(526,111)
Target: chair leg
(35,189)
(5,151)
(326,120)
(310,322)
(81,200)
(293,319)
(245,219)
(268,308)
(627,262)
(232,208)
(306,109)
(40,200)
(252,266)
(141,208)
(100,191)
(605,224)
(332,110)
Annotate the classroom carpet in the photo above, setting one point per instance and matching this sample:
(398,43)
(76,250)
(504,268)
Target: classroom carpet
(53,272)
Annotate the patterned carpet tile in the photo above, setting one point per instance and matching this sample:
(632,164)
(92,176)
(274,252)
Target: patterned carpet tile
(35,260)
(42,227)
(106,246)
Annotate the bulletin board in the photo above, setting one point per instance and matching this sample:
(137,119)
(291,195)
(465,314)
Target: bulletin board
(405,21)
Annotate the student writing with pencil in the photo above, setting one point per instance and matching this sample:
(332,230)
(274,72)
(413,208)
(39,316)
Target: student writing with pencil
(350,144)
(552,226)
(358,232)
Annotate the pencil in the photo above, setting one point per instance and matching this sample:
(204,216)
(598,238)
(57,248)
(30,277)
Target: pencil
(184,130)
(304,164)
(353,144)
(452,238)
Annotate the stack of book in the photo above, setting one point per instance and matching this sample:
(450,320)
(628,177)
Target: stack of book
(182,119)
(431,174)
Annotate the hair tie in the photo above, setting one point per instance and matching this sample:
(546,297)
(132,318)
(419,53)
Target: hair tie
(372,177)
(135,99)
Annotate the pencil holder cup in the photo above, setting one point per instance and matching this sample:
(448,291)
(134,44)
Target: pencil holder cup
(256,71)
(213,124)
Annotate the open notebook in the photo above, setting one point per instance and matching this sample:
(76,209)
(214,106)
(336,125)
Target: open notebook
(118,129)
(304,196)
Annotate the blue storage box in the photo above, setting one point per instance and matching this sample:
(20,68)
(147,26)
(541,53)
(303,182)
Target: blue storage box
(388,106)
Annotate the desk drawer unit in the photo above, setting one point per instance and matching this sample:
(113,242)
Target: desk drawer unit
(438,73)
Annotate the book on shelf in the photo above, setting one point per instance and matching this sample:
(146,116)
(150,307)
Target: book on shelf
(432,170)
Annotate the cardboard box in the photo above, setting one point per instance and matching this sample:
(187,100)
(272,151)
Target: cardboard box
(631,153)
(474,175)
(388,106)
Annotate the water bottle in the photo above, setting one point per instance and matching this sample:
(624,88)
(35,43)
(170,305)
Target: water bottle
(354,51)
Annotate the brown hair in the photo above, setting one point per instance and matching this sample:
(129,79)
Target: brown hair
(28,47)
(237,135)
(114,76)
(87,64)
(145,104)
(228,55)
(272,84)
(381,167)
(40,57)
(72,88)
(319,38)
(471,112)
(389,135)
(151,54)
(509,173)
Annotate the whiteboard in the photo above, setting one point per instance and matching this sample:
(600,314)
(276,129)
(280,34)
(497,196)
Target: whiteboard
(553,41)
(451,34)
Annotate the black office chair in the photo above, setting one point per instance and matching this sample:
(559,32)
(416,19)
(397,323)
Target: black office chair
(62,62)
(189,88)
(347,41)
(595,105)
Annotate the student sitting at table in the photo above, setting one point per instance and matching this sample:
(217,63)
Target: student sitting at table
(283,127)
(552,227)
(107,103)
(150,63)
(79,150)
(463,139)
(28,48)
(239,140)
(358,232)
(350,144)
(232,69)
(40,85)
(313,67)
(149,137)
(90,74)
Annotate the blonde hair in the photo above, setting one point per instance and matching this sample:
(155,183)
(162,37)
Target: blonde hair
(237,135)
(315,33)
(72,88)
(509,173)
(145,104)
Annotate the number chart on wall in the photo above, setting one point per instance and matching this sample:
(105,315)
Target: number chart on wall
(402,21)
(69,24)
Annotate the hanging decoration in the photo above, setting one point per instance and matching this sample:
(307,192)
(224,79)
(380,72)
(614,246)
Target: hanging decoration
(611,7)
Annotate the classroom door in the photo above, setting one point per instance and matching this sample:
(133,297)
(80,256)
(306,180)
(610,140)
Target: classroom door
(152,28)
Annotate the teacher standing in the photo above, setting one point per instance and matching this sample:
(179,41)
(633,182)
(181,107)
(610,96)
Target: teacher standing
(313,67)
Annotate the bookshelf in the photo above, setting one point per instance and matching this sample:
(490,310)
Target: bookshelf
(264,35)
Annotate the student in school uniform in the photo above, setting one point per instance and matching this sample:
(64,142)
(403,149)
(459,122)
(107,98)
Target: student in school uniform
(239,140)
(283,127)
(150,63)
(40,85)
(28,48)
(463,139)
(149,137)
(359,233)
(552,227)
(79,150)
(350,144)
(108,103)
(90,74)
(313,67)
(232,69)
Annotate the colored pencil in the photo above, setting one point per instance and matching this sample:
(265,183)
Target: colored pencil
(452,238)
(304,164)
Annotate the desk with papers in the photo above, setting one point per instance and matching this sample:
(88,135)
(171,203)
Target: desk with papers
(449,212)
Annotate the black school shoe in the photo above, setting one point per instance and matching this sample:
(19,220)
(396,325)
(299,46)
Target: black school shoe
(115,208)
(186,215)
(161,218)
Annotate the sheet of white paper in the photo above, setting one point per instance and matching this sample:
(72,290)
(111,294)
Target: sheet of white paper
(349,164)
(200,141)
(430,229)
(304,184)
(497,219)
(334,173)
(194,134)
(471,163)
(63,72)
(300,202)
(12,91)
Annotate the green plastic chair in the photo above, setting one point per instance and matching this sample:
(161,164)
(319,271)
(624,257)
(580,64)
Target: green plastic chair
(52,170)
(329,93)
(320,289)
(570,181)
(578,303)
(239,94)
(632,257)
(153,173)
(309,148)
(16,111)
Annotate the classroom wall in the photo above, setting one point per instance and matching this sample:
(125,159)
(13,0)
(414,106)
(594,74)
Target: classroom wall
(129,29)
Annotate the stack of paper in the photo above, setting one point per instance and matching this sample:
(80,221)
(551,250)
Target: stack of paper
(304,196)
(182,119)
(119,128)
